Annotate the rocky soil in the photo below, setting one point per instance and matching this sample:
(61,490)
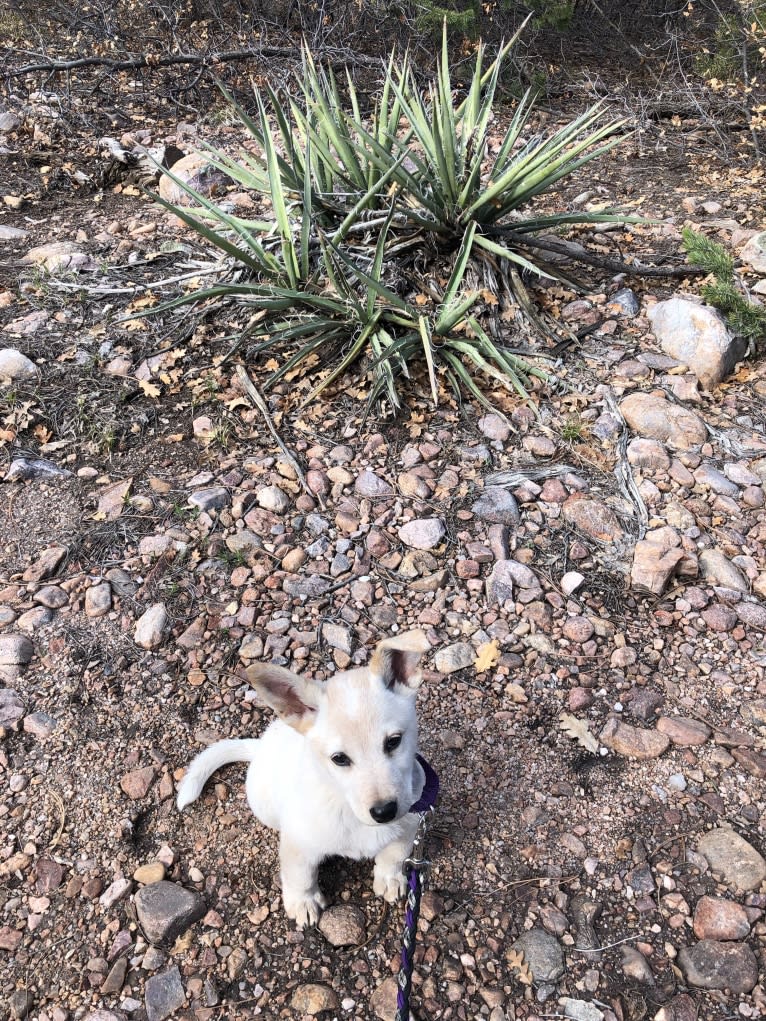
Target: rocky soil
(591,578)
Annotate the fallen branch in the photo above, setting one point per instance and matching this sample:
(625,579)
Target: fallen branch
(333,55)
(252,392)
(581,254)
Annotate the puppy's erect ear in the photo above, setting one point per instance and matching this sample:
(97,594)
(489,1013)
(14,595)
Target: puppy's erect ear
(397,660)
(292,698)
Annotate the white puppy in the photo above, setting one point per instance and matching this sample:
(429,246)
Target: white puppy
(336,774)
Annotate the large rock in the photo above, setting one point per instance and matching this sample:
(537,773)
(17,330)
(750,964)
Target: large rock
(454,657)
(196,171)
(422,533)
(754,252)
(633,741)
(343,925)
(58,255)
(15,365)
(719,919)
(718,569)
(164,994)
(656,558)
(507,577)
(697,336)
(150,626)
(593,518)
(165,910)
(543,953)
(715,965)
(654,416)
(497,506)
(314,998)
(742,867)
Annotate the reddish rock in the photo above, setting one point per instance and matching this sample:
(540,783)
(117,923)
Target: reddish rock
(578,629)
(137,782)
(751,761)
(592,517)
(633,741)
(683,731)
(720,919)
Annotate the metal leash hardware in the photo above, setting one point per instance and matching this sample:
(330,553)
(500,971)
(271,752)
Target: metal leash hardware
(418,864)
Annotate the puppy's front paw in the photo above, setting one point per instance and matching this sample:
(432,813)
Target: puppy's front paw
(304,908)
(389,885)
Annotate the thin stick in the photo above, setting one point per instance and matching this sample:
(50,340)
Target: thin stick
(591,259)
(252,392)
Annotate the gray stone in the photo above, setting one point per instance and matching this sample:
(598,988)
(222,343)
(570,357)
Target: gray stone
(58,255)
(581,1010)
(244,541)
(166,910)
(636,966)
(497,506)
(711,478)
(719,570)
(11,707)
(338,637)
(150,626)
(14,365)
(212,499)
(543,953)
(742,867)
(697,336)
(626,301)
(454,657)
(752,614)
(754,253)
(164,994)
(371,486)
(51,596)
(660,419)
(507,577)
(273,499)
(15,650)
(343,925)
(121,582)
(495,427)
(11,233)
(309,588)
(40,725)
(22,469)
(422,533)
(712,964)
(98,599)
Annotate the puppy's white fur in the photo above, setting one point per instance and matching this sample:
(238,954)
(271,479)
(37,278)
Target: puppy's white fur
(321,807)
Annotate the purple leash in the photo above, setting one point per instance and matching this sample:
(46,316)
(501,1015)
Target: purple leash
(417,864)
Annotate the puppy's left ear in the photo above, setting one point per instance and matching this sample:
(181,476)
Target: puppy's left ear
(396,661)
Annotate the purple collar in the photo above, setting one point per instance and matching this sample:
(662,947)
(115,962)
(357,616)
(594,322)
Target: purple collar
(430,791)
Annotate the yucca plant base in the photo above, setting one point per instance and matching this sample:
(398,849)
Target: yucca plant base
(385,252)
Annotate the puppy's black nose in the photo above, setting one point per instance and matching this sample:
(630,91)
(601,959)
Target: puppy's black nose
(384,811)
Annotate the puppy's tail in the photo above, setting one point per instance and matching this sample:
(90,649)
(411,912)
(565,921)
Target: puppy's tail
(206,763)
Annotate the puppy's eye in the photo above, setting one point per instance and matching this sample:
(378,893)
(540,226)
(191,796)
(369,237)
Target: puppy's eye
(392,743)
(341,759)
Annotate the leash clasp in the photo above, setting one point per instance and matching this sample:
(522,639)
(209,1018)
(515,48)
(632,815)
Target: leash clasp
(415,859)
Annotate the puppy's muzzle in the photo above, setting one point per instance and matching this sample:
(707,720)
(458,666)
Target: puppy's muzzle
(384,811)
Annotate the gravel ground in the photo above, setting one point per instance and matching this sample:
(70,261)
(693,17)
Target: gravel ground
(597,852)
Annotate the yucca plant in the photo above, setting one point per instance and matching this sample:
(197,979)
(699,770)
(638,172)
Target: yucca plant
(331,278)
